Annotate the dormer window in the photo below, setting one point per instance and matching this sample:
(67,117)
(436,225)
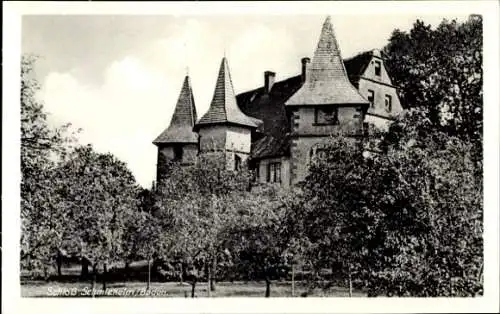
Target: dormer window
(378,68)
(326,116)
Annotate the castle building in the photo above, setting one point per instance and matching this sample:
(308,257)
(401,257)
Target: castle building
(179,143)
(276,129)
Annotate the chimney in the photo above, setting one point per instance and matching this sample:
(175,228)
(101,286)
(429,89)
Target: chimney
(269,80)
(305,61)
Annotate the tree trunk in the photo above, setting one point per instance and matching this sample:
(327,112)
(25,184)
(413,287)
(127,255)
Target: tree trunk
(104,275)
(149,275)
(451,286)
(209,277)
(127,269)
(268,287)
(293,280)
(59,264)
(350,282)
(94,278)
(181,275)
(480,275)
(212,277)
(85,268)
(193,286)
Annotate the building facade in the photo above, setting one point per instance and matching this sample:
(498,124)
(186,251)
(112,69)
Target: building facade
(276,129)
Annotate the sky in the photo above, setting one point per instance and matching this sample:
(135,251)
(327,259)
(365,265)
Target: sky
(118,77)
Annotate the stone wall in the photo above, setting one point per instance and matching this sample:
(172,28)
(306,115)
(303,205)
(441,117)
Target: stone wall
(166,154)
(381,86)
(212,138)
(238,139)
(306,135)
(349,122)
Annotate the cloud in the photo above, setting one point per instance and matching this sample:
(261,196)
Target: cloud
(121,116)
(138,93)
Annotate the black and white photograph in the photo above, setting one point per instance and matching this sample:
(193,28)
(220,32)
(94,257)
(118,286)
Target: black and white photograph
(326,152)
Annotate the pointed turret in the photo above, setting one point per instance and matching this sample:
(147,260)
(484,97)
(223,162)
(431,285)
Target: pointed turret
(225,128)
(223,108)
(181,125)
(326,81)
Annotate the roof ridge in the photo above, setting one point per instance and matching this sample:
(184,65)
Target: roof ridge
(262,86)
(191,101)
(226,68)
(359,54)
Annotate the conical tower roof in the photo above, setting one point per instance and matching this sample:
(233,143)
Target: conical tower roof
(181,125)
(223,108)
(326,78)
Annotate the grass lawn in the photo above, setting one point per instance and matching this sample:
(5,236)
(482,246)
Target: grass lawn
(136,287)
(173,289)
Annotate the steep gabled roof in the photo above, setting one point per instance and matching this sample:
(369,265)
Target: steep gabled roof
(326,77)
(270,146)
(223,108)
(356,66)
(270,108)
(181,125)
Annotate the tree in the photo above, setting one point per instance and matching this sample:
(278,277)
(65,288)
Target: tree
(258,239)
(406,222)
(97,196)
(42,147)
(440,70)
(434,229)
(334,216)
(196,198)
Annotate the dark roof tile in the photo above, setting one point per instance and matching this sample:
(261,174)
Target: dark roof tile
(270,146)
(181,125)
(223,108)
(356,66)
(326,77)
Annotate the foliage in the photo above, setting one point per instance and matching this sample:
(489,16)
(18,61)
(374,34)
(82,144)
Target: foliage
(98,197)
(196,199)
(42,146)
(260,239)
(440,70)
(406,222)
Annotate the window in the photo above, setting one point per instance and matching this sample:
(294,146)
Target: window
(371,98)
(327,115)
(257,171)
(178,153)
(378,67)
(237,162)
(388,103)
(274,172)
